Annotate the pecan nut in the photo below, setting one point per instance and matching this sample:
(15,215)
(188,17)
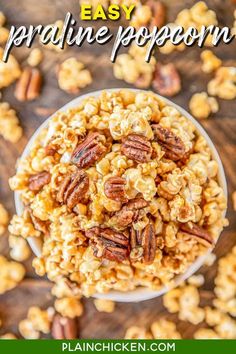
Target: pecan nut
(89,151)
(143,244)
(73,189)
(29,85)
(114,188)
(166,80)
(38,181)
(129,213)
(64,328)
(199,232)
(136,147)
(109,244)
(158,13)
(172,145)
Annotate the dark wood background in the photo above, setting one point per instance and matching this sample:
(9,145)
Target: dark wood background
(221,128)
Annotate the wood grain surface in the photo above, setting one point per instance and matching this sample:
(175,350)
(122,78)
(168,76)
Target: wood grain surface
(221,128)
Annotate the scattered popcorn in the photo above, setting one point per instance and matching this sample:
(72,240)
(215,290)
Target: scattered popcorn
(225,283)
(4,218)
(9,123)
(37,321)
(19,249)
(73,76)
(233,198)
(9,71)
(136,332)
(185,300)
(11,274)
(103,305)
(196,280)
(210,260)
(69,307)
(164,329)
(8,336)
(210,62)
(27,330)
(133,69)
(197,16)
(2,19)
(59,24)
(35,57)
(201,105)
(205,333)
(4,34)
(224,83)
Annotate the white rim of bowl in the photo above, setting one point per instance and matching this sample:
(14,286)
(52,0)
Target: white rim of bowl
(140,293)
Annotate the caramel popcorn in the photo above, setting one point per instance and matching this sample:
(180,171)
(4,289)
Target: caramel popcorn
(136,332)
(9,71)
(225,284)
(210,62)
(201,105)
(11,274)
(4,32)
(103,305)
(185,300)
(19,249)
(73,76)
(4,218)
(69,307)
(9,123)
(164,329)
(37,321)
(133,69)
(8,336)
(210,259)
(59,24)
(123,192)
(196,280)
(224,83)
(197,16)
(35,57)
(205,333)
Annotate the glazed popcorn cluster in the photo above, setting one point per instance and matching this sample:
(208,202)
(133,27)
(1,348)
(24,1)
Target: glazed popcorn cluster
(161,329)
(10,128)
(123,193)
(198,15)
(72,76)
(11,274)
(37,321)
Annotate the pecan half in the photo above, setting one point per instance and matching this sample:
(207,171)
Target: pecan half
(89,151)
(143,244)
(37,181)
(172,145)
(73,189)
(166,80)
(136,147)
(39,225)
(199,232)
(129,212)
(109,243)
(64,328)
(114,188)
(158,13)
(29,85)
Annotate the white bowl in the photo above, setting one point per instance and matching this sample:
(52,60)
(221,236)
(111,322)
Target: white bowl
(140,294)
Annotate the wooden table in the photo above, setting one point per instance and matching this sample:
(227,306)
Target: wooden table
(221,128)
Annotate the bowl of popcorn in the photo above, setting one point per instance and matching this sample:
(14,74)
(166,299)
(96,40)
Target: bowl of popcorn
(121,195)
